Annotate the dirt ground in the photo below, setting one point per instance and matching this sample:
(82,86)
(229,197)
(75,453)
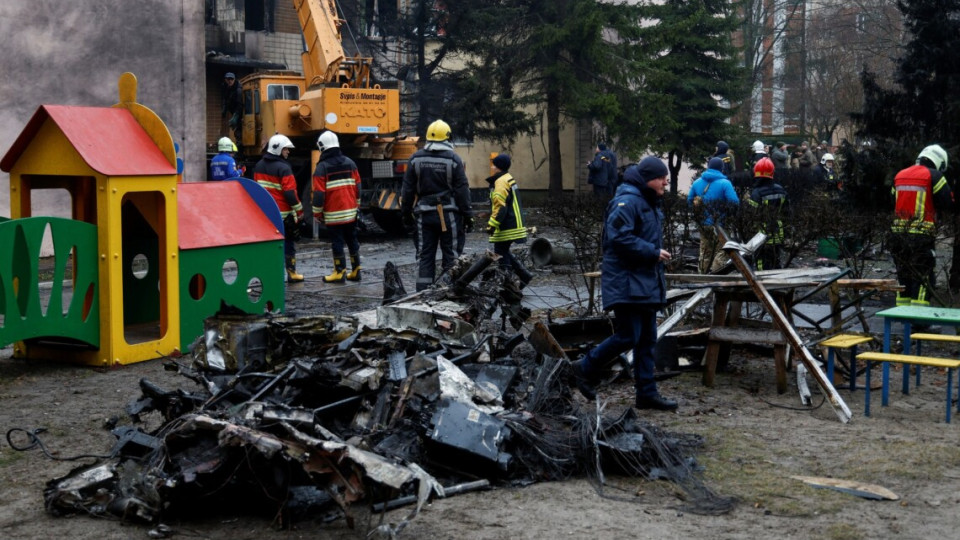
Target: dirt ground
(755,440)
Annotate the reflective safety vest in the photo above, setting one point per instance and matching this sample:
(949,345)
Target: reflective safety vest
(915,190)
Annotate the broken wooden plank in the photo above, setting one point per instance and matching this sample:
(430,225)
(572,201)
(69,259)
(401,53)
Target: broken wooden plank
(785,273)
(860,489)
(870,284)
(682,312)
(747,335)
(843,412)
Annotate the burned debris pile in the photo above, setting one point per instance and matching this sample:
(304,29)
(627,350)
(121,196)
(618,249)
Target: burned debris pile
(302,417)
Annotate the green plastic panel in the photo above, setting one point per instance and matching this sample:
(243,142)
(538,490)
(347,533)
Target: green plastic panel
(257,262)
(26,312)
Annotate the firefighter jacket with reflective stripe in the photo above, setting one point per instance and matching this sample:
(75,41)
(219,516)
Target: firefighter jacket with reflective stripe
(435,178)
(506,217)
(920,191)
(275,175)
(336,188)
(827,178)
(770,200)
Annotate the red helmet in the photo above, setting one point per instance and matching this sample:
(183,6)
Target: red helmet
(764,168)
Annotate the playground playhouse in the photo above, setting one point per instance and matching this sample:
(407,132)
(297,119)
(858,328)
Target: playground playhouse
(144,257)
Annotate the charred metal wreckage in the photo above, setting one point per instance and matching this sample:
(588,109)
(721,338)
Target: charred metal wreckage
(301,417)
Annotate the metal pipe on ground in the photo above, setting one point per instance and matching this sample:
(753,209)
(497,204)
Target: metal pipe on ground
(475,270)
(544,251)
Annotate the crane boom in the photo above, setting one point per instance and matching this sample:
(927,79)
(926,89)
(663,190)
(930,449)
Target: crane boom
(320,25)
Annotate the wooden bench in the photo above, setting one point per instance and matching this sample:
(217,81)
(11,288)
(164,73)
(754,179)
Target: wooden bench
(908,360)
(844,342)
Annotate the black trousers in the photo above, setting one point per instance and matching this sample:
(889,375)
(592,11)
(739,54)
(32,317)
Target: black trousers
(914,255)
(430,235)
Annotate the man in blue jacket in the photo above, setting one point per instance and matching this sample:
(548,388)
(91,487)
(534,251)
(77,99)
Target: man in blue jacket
(633,282)
(712,196)
(602,172)
(223,166)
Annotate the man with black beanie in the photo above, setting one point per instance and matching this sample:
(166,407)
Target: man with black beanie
(633,282)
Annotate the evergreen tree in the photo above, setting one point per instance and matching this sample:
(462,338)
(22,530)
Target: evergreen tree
(699,74)
(924,107)
(565,59)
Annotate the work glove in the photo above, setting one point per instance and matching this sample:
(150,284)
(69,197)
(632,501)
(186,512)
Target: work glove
(408,221)
(291,228)
(468,223)
(491,230)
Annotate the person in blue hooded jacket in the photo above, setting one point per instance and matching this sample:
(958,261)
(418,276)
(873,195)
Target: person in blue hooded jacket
(712,196)
(633,283)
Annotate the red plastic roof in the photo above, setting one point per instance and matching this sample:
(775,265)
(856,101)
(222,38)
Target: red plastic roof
(108,139)
(212,214)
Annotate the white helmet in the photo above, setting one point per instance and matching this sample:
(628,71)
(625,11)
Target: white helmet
(327,139)
(225,145)
(936,154)
(757,147)
(277,143)
(826,157)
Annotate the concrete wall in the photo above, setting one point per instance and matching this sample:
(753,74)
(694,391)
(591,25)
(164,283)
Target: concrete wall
(72,53)
(528,160)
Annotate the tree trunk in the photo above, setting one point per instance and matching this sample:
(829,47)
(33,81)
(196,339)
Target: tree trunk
(553,143)
(674,161)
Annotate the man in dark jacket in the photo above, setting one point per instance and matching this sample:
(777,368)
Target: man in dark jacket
(435,190)
(602,171)
(723,152)
(231,105)
(633,282)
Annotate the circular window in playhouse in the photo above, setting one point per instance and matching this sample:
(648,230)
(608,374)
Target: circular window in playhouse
(229,271)
(140,266)
(198,286)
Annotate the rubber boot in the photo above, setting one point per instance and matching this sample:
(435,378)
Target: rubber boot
(354,274)
(921,299)
(292,275)
(339,272)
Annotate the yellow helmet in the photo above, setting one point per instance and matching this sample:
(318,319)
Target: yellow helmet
(438,131)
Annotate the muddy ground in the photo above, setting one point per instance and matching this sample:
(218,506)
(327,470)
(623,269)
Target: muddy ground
(755,440)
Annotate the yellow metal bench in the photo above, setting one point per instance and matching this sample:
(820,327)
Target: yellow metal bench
(908,360)
(844,342)
(919,338)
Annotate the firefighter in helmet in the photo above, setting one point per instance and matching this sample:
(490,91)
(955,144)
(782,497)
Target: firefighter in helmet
(768,201)
(274,173)
(435,191)
(223,166)
(336,204)
(921,191)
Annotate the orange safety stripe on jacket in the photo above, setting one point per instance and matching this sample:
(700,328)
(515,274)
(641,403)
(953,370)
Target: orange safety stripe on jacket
(341,197)
(914,211)
(276,187)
